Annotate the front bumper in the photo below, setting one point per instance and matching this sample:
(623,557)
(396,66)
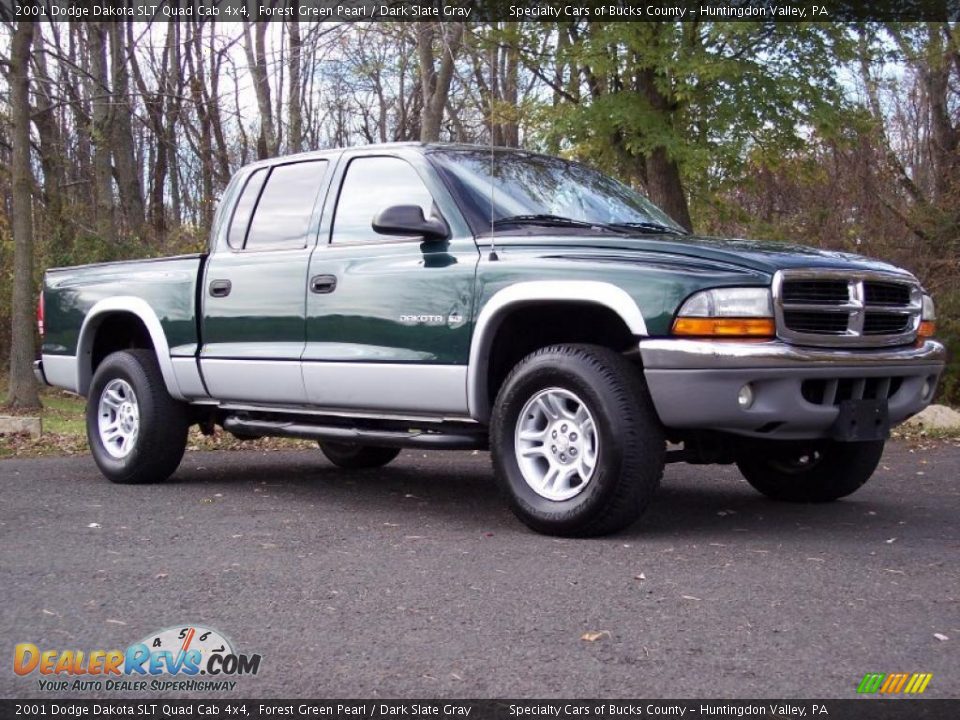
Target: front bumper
(796,390)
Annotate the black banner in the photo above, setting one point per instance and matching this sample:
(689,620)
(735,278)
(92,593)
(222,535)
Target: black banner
(481,10)
(853,709)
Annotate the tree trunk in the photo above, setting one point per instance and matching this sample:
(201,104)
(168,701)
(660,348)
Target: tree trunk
(434,82)
(59,226)
(943,135)
(126,167)
(257,61)
(23,386)
(666,187)
(174,91)
(295,110)
(102,165)
(662,171)
(509,86)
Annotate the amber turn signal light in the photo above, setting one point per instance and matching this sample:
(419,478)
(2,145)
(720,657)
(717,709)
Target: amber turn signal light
(724,327)
(927,329)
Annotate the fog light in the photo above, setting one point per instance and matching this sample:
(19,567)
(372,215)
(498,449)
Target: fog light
(745,396)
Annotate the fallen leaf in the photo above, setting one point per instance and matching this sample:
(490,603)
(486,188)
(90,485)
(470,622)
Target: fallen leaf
(641,576)
(890,541)
(689,597)
(594,635)
(941,637)
(94,525)
(160,576)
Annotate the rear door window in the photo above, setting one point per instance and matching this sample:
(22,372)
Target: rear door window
(244,209)
(283,207)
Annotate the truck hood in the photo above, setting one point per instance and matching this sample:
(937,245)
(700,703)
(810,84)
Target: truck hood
(765,257)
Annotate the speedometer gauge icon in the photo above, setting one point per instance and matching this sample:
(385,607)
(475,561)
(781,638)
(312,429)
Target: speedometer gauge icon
(182,639)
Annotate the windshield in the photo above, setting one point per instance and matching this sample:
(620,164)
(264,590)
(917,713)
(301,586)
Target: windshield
(524,185)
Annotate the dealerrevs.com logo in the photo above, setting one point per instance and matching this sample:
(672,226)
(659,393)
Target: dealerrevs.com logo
(186,658)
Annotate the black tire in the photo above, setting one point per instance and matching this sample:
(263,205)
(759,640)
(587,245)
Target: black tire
(357,457)
(812,472)
(158,448)
(630,450)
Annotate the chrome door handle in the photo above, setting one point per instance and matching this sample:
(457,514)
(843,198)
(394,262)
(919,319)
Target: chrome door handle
(220,288)
(323,284)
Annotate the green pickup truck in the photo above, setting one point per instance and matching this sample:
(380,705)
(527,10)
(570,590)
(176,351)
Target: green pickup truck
(456,297)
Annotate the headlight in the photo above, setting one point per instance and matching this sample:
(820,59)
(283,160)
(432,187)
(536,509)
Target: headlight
(727,312)
(928,318)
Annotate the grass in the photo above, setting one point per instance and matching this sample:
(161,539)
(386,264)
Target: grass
(62,413)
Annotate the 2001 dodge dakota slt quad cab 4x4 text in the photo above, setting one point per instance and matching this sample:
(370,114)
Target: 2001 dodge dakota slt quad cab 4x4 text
(450,297)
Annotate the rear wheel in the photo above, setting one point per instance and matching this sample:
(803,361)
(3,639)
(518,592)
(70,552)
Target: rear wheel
(136,431)
(811,472)
(577,446)
(357,457)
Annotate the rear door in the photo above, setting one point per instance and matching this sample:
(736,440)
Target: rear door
(254,293)
(388,318)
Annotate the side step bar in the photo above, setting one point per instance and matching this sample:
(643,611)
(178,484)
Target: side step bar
(433,439)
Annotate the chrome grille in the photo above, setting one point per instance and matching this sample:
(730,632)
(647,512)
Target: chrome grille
(856,309)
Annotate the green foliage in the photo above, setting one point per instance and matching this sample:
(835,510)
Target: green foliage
(722,91)
(948,332)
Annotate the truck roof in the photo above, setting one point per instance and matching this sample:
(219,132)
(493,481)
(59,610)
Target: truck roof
(424,146)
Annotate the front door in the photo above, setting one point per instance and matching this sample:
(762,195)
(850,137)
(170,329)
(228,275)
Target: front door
(388,319)
(254,293)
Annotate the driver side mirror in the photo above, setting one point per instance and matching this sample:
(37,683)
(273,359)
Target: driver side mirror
(409,220)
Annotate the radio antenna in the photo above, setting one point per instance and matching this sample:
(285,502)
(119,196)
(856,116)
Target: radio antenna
(493,237)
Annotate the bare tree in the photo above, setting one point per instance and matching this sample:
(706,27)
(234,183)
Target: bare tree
(99,93)
(255,48)
(295,94)
(23,387)
(435,81)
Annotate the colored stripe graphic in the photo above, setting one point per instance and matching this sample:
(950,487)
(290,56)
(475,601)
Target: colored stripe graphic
(894,683)
(871,683)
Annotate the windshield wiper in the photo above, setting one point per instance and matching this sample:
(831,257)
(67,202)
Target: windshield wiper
(545,220)
(647,227)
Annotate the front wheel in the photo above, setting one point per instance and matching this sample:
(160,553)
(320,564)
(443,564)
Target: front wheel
(357,457)
(810,472)
(577,446)
(136,431)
